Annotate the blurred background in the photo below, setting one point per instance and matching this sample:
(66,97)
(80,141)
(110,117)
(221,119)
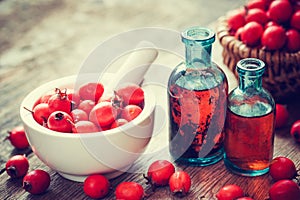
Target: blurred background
(68,30)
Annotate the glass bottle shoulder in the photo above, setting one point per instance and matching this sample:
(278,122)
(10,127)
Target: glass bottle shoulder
(197,77)
(250,103)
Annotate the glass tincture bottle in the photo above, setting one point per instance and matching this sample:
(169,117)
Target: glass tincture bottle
(197,94)
(249,127)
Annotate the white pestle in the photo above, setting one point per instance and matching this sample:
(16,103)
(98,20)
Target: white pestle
(135,67)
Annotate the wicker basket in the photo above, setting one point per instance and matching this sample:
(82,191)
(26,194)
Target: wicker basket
(282,74)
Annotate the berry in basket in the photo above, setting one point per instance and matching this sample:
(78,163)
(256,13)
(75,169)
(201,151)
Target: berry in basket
(270,31)
(268,26)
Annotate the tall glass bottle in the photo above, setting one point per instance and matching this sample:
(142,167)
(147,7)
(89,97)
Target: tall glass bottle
(249,127)
(197,95)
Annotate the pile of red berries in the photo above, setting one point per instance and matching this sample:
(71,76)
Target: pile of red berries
(268,24)
(282,171)
(160,173)
(35,182)
(88,109)
(282,118)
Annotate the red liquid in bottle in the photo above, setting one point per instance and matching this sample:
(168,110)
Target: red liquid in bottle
(249,140)
(196,120)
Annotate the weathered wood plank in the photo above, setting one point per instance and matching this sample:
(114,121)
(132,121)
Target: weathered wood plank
(45,40)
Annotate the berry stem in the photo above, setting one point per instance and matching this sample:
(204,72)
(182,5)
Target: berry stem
(62,95)
(28,110)
(117,101)
(149,182)
(7,137)
(2,171)
(71,122)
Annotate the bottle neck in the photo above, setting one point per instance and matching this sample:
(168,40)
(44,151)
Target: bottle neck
(197,55)
(250,71)
(198,44)
(246,82)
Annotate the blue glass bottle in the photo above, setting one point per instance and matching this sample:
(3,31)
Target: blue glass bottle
(197,94)
(249,127)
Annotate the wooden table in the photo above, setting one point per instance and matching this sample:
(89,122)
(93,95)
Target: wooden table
(51,43)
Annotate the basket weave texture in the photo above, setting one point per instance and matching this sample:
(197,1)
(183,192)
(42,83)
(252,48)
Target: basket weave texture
(282,74)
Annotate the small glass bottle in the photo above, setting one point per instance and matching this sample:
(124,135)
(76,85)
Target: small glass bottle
(249,126)
(197,96)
